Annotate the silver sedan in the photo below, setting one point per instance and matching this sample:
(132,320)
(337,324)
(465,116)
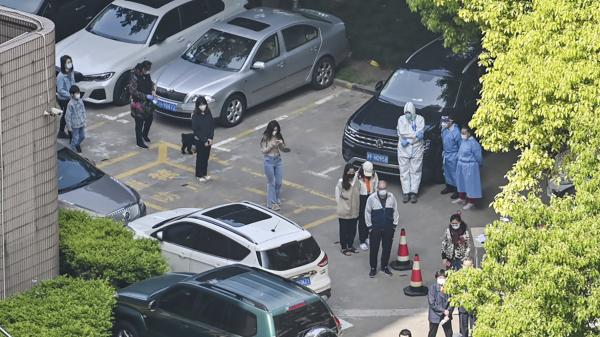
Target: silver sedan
(250,58)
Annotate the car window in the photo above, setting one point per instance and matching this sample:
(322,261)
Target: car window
(74,172)
(169,25)
(122,24)
(179,300)
(298,35)
(211,242)
(291,323)
(236,251)
(193,12)
(225,315)
(268,50)
(183,233)
(217,49)
(291,255)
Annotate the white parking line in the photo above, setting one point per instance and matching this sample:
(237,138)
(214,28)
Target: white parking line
(324,173)
(114,118)
(223,142)
(325,99)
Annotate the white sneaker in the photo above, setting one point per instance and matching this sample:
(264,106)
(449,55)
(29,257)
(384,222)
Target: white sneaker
(468,206)
(364,246)
(367,242)
(201,179)
(275,207)
(207,178)
(459,201)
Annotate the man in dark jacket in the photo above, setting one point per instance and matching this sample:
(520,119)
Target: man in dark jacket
(381,217)
(440,311)
(141,89)
(204,131)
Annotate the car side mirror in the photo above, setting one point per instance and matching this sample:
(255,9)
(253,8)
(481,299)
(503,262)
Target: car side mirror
(258,65)
(152,305)
(379,86)
(159,235)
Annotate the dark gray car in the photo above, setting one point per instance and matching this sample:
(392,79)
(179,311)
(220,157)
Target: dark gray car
(84,187)
(250,58)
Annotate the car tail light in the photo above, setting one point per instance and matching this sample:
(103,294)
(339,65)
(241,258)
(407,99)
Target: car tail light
(296,306)
(323,261)
(338,324)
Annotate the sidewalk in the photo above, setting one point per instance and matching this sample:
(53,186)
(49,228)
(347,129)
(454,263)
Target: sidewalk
(416,323)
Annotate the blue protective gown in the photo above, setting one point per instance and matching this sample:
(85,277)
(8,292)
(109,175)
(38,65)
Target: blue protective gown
(451,142)
(467,170)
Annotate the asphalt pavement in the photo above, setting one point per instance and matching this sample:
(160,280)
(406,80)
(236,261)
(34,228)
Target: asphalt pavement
(312,124)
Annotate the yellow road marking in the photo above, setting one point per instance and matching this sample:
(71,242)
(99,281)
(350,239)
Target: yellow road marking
(109,162)
(155,206)
(138,169)
(213,157)
(321,221)
(95,126)
(255,190)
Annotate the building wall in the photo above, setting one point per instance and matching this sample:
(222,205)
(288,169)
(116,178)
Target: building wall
(28,179)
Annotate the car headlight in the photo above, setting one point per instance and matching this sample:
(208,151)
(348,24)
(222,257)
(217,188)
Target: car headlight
(98,77)
(193,98)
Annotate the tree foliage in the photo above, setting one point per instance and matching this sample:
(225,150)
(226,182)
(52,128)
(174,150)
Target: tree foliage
(541,96)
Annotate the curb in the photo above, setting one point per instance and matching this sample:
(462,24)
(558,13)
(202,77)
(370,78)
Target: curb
(354,86)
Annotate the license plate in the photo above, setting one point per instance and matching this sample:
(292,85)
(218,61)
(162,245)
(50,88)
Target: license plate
(377,158)
(305,281)
(166,105)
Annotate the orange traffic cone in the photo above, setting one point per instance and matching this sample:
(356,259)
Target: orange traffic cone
(416,287)
(403,261)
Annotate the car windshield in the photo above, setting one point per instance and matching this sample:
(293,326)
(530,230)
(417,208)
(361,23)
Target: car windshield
(220,50)
(74,172)
(29,6)
(122,24)
(421,88)
(291,255)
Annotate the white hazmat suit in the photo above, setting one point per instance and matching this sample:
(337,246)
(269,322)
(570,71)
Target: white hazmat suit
(410,149)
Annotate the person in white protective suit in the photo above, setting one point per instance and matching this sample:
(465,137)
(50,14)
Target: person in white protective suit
(410,129)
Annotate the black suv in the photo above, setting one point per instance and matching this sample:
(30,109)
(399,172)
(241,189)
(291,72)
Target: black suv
(439,83)
(230,301)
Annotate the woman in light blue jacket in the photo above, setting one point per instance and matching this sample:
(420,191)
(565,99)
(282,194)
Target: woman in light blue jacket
(64,81)
(468,178)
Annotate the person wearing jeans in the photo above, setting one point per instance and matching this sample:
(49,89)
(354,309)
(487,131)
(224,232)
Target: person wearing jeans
(75,118)
(271,145)
(64,81)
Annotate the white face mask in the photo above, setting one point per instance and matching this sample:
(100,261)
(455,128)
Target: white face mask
(444,125)
(455,225)
(202,107)
(146,72)
(274,132)
(465,137)
(441,281)
(382,193)
(77,95)
(69,65)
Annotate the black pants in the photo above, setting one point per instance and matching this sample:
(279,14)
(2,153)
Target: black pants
(347,232)
(202,154)
(433,328)
(451,187)
(363,230)
(385,237)
(142,128)
(466,321)
(63,122)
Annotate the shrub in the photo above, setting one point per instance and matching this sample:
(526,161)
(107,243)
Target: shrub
(102,248)
(61,307)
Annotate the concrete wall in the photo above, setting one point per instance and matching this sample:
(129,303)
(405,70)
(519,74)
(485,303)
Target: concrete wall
(28,179)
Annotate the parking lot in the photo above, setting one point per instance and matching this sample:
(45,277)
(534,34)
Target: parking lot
(312,123)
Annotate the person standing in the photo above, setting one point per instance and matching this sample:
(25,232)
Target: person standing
(456,243)
(203,127)
(64,81)
(75,118)
(411,128)
(141,90)
(468,179)
(440,311)
(271,145)
(451,143)
(368,181)
(348,202)
(381,216)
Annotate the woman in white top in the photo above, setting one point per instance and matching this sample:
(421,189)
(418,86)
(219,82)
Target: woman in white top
(347,199)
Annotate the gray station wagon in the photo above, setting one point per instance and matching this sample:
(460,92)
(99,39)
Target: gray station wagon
(250,58)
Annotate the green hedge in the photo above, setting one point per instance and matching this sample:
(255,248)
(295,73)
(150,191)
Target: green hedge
(102,248)
(61,307)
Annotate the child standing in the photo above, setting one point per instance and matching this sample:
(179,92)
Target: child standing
(75,118)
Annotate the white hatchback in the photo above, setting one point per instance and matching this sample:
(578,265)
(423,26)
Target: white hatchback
(195,240)
(127,32)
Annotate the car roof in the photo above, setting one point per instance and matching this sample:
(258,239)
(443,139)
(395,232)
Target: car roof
(154,7)
(439,60)
(256,224)
(276,19)
(262,289)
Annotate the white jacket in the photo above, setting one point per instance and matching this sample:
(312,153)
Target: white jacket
(405,131)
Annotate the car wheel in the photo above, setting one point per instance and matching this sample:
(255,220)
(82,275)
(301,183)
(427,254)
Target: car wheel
(324,73)
(233,110)
(121,94)
(125,329)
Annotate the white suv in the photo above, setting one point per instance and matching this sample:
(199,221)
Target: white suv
(196,240)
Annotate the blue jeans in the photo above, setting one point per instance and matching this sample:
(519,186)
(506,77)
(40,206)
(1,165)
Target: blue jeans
(274,174)
(78,137)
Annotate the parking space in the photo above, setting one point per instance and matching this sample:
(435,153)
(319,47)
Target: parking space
(312,123)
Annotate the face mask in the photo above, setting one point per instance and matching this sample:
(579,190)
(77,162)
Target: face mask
(77,96)
(465,137)
(69,65)
(455,225)
(146,72)
(444,125)
(441,281)
(382,193)
(274,133)
(202,107)
(350,175)
(409,116)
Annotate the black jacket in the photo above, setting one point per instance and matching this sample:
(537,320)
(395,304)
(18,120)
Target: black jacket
(203,126)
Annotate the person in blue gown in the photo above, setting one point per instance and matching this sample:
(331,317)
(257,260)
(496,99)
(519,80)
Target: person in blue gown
(468,178)
(450,142)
